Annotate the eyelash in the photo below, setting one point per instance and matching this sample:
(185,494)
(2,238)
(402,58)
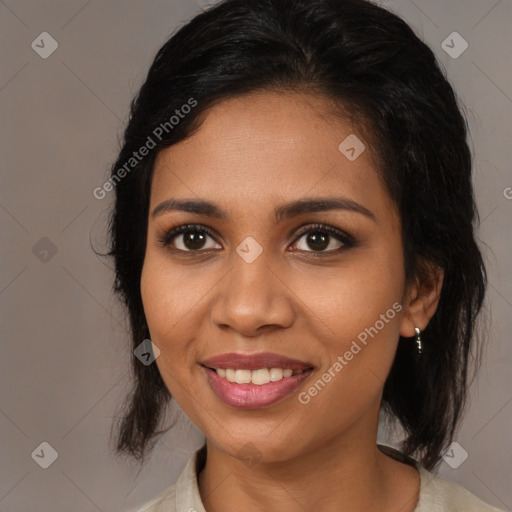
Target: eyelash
(347,240)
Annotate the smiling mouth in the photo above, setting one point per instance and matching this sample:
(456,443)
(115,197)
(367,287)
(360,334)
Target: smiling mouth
(259,391)
(253,380)
(259,377)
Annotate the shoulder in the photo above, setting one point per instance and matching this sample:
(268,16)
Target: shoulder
(184,494)
(164,502)
(437,494)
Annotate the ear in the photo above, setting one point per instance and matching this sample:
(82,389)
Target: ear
(421,298)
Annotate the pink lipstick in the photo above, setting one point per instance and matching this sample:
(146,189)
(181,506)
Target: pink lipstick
(251,381)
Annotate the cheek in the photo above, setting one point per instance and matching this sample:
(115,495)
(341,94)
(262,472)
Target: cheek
(169,303)
(352,296)
(171,294)
(358,361)
(358,312)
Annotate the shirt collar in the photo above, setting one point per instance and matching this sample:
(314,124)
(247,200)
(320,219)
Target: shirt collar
(188,498)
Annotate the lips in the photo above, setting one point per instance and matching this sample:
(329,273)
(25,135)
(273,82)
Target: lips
(255,361)
(255,395)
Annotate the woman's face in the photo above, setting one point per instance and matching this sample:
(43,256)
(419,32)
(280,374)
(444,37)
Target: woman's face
(266,278)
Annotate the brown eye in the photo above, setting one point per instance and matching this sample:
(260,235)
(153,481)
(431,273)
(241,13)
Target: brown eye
(324,238)
(317,241)
(189,238)
(193,240)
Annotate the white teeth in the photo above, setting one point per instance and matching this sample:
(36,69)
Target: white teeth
(276,374)
(243,376)
(258,377)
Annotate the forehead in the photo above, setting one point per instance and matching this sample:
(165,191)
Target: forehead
(264,146)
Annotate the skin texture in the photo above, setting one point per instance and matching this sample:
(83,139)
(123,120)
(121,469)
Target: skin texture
(250,155)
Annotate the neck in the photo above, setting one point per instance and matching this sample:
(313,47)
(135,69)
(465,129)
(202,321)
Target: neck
(349,470)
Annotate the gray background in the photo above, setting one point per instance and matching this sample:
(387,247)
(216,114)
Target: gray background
(65,351)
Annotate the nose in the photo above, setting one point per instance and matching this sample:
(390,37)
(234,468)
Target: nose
(253,298)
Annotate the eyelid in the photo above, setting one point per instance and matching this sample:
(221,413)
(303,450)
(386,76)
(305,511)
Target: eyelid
(343,237)
(347,240)
(165,238)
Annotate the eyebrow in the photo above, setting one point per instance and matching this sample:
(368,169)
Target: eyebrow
(282,212)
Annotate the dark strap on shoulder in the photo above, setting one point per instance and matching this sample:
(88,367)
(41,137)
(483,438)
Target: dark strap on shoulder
(397,455)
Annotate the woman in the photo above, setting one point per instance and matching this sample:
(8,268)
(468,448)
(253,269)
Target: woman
(293,231)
